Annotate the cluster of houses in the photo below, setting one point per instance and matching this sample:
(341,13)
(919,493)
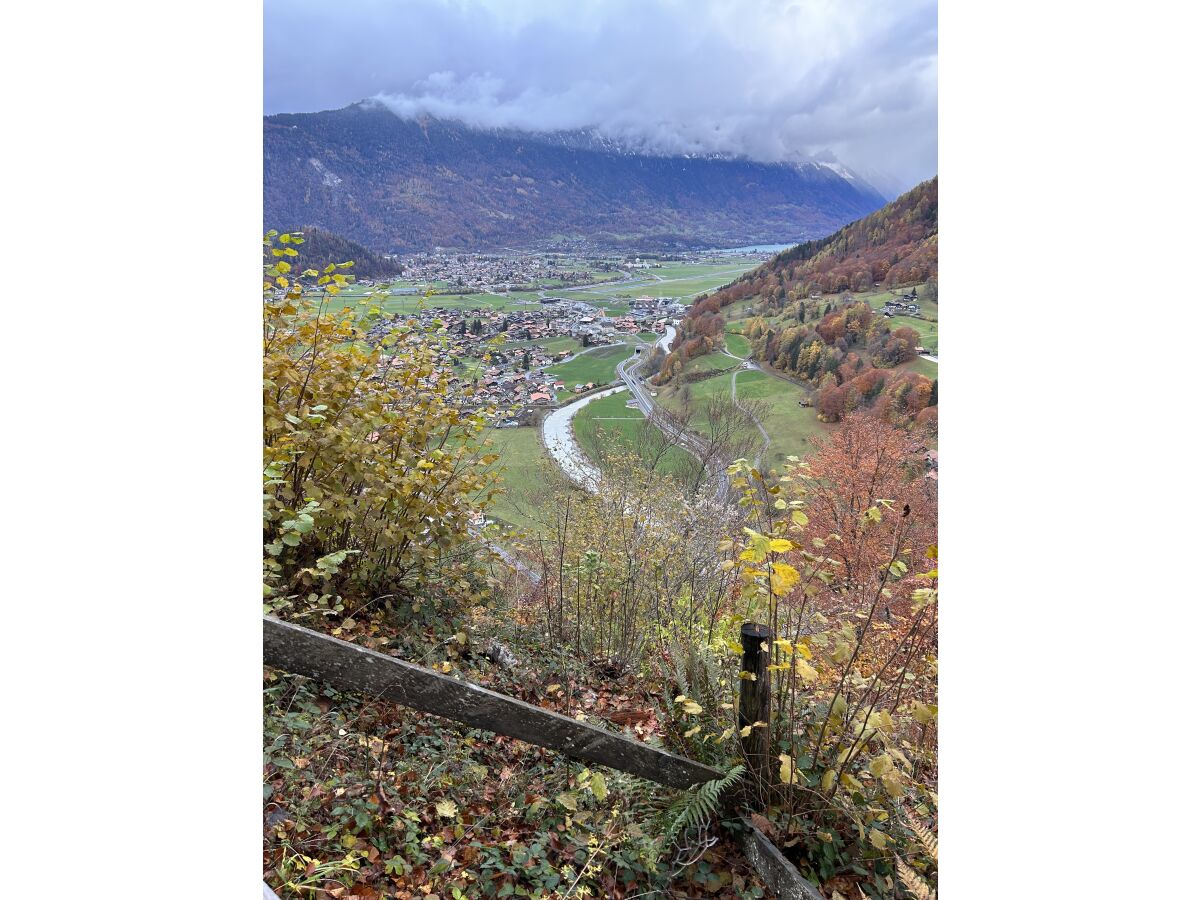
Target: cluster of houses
(905,305)
(513,376)
(656,307)
(493,272)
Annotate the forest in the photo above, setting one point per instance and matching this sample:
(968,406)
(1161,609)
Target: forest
(321,248)
(893,246)
(625,612)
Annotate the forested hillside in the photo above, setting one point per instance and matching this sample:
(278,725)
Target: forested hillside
(321,247)
(406,185)
(850,350)
(896,245)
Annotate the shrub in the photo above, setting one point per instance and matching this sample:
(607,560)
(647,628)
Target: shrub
(372,470)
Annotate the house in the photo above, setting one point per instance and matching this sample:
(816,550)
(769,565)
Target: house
(540,397)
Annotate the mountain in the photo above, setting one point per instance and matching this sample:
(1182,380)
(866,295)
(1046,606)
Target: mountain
(321,247)
(892,246)
(403,185)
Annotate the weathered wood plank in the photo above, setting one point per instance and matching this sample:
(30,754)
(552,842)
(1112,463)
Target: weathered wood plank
(349,667)
(754,704)
(776,870)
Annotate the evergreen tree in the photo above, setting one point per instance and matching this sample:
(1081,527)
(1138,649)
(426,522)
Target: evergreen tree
(933,394)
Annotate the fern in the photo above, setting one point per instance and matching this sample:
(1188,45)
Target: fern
(927,838)
(911,880)
(908,876)
(695,807)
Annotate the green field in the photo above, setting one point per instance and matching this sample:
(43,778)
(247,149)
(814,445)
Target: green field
(921,366)
(525,466)
(598,366)
(736,344)
(552,344)
(791,426)
(608,416)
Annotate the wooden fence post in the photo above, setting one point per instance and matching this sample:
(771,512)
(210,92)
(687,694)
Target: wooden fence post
(754,704)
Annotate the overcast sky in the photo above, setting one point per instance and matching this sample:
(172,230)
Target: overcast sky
(770,79)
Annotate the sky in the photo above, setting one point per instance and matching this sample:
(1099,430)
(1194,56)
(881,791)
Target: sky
(768,79)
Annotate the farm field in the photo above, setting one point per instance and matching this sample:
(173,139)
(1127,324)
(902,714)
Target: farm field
(790,425)
(736,344)
(610,415)
(553,344)
(598,366)
(525,466)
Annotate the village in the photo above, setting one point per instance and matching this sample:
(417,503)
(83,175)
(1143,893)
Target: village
(504,355)
(469,272)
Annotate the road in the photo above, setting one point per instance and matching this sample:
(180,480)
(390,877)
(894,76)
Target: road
(628,371)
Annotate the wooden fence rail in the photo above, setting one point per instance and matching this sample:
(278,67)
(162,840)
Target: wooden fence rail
(350,667)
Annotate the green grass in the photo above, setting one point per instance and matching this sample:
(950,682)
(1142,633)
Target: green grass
(525,466)
(649,336)
(707,363)
(598,366)
(921,366)
(791,426)
(610,416)
(552,344)
(737,345)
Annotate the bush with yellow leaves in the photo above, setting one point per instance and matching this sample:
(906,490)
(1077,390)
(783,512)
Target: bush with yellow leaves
(374,469)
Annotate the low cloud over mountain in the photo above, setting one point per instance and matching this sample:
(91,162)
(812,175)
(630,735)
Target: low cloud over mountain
(770,80)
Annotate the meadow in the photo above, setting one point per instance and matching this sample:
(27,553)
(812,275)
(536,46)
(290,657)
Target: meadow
(598,366)
(610,416)
(525,467)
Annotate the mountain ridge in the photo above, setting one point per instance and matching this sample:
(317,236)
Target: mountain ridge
(404,185)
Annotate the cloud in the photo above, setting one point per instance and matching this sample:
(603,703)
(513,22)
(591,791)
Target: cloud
(768,79)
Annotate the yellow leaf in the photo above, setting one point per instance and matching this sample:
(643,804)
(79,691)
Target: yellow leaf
(745,732)
(786,773)
(568,800)
(806,672)
(781,545)
(878,839)
(447,809)
(691,731)
(599,786)
(881,764)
